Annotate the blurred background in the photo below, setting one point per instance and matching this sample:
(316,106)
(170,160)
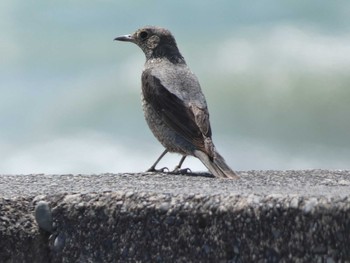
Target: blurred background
(276,75)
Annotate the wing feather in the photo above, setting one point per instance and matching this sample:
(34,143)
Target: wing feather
(190,121)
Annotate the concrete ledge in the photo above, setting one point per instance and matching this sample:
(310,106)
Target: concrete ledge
(162,218)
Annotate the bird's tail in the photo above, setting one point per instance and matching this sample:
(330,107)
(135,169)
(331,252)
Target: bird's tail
(217,165)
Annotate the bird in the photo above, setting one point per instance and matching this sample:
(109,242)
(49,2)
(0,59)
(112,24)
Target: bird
(174,105)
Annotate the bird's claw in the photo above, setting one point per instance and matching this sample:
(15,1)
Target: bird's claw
(182,171)
(164,170)
(161,170)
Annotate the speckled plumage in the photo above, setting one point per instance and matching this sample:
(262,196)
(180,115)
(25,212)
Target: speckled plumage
(174,106)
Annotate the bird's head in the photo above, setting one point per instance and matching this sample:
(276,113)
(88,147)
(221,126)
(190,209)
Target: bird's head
(155,42)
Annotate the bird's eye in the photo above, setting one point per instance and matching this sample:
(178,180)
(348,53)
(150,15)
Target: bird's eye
(143,35)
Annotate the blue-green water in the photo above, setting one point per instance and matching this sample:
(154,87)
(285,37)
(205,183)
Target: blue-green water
(275,74)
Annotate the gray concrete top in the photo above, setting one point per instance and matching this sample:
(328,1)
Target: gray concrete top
(307,183)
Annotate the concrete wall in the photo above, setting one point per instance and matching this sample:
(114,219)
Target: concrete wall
(149,226)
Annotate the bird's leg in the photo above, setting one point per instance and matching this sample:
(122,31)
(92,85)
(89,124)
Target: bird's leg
(178,167)
(153,167)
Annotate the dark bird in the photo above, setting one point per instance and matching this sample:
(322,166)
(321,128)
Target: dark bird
(174,105)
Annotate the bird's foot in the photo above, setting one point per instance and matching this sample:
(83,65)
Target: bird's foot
(161,170)
(177,170)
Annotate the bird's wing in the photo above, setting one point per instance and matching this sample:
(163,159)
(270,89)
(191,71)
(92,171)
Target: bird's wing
(187,118)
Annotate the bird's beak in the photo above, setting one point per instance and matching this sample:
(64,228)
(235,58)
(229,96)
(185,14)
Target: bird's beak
(126,38)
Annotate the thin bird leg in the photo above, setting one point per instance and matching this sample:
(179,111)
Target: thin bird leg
(177,167)
(153,167)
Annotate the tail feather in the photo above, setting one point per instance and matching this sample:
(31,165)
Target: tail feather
(217,165)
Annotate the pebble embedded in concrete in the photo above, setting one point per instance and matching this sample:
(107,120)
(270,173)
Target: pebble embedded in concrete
(43,216)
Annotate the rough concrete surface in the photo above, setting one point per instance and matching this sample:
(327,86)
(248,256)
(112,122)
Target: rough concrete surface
(266,216)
